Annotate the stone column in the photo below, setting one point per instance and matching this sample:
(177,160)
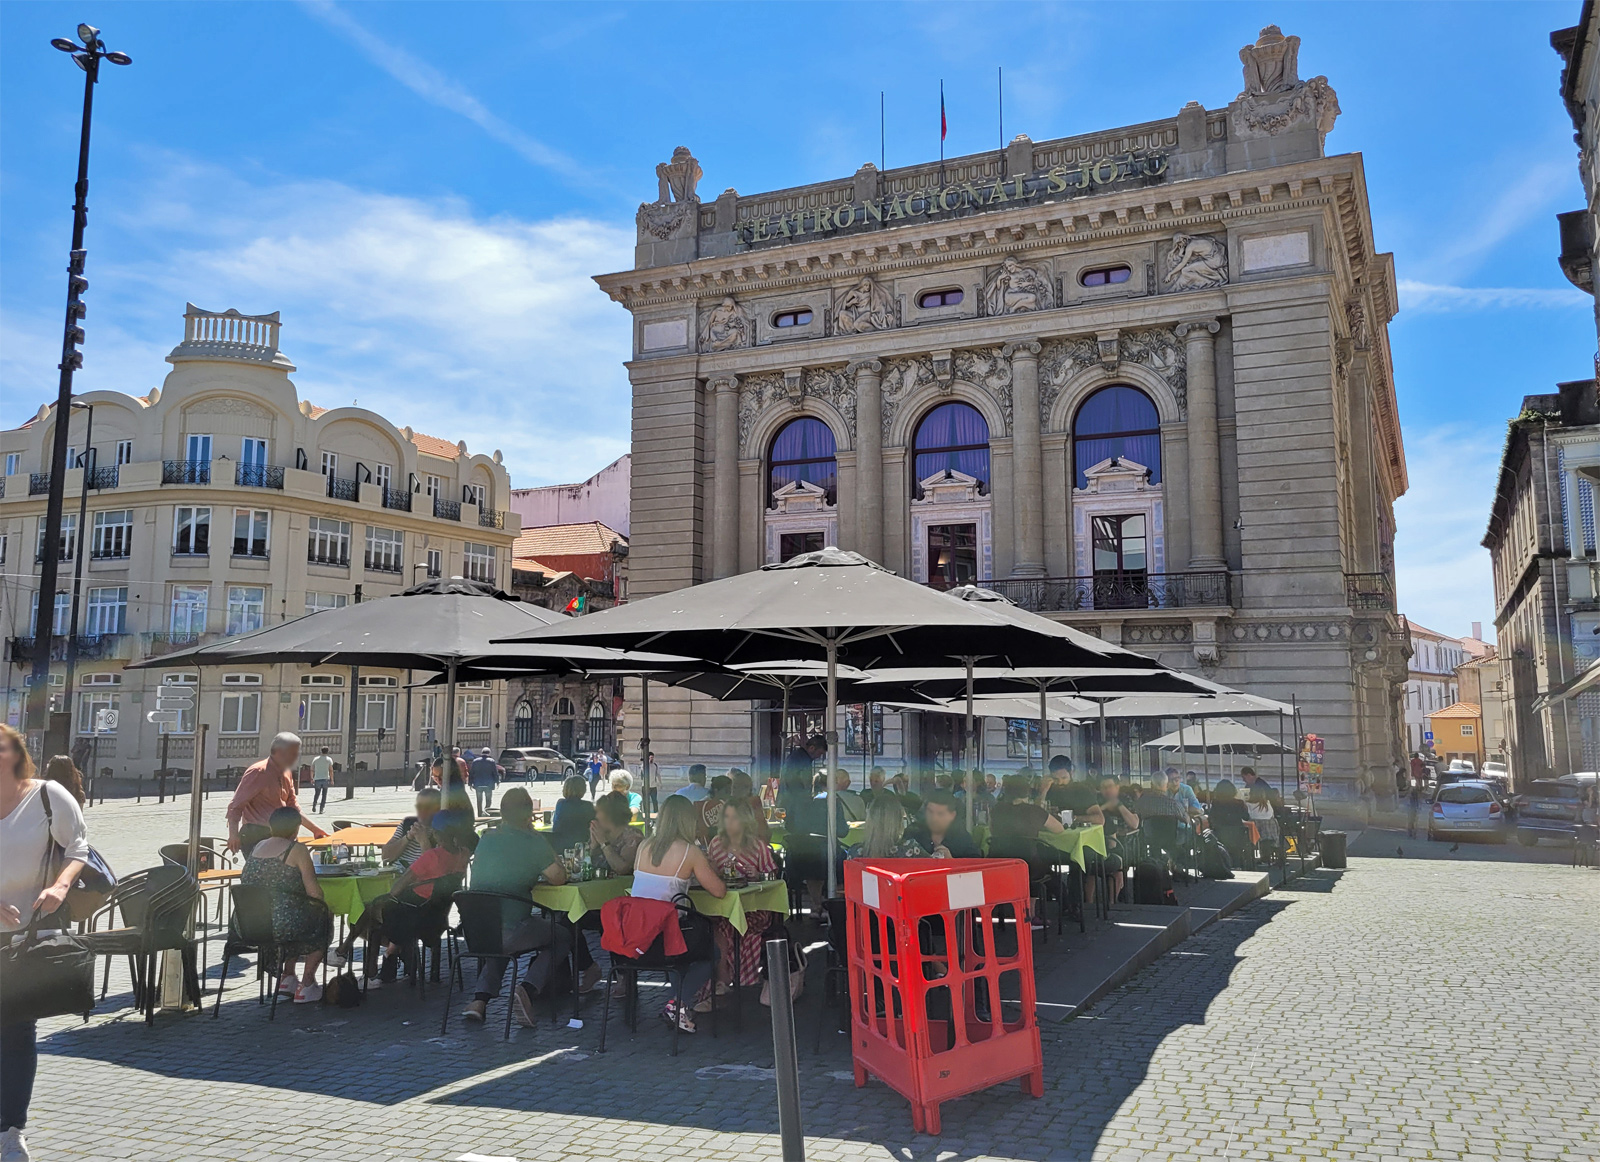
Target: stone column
(869,457)
(1027,461)
(1205,453)
(725,526)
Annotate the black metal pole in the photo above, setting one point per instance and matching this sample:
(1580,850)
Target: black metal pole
(77,555)
(785,1059)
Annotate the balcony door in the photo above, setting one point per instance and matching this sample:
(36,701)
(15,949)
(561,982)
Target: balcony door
(952,555)
(1121,562)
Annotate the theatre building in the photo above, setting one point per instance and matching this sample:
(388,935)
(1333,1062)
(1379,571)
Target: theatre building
(1138,381)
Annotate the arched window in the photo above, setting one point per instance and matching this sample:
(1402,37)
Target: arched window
(564,708)
(803,450)
(953,436)
(1117,421)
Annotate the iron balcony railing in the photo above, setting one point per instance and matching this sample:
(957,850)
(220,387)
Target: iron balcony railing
(378,564)
(398,499)
(186,472)
(107,477)
(258,476)
(491,519)
(341,560)
(156,644)
(38,483)
(90,647)
(111,552)
(446,509)
(1369,591)
(1107,591)
(343,489)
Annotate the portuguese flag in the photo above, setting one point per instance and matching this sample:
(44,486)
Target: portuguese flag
(579,604)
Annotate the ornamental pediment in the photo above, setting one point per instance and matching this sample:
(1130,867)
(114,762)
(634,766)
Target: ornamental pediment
(948,486)
(800,496)
(1117,474)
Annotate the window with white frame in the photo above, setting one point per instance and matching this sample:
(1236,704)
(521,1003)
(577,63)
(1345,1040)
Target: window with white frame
(58,623)
(384,550)
(191,532)
(477,562)
(472,711)
(435,487)
(330,463)
(435,562)
(124,452)
(247,608)
(5,543)
(69,538)
(13,463)
(251,527)
(378,698)
(321,702)
(317,602)
(241,704)
(189,608)
(428,710)
(107,611)
(113,535)
(329,541)
(91,700)
(185,717)
(1466,730)
(383,475)
(473,494)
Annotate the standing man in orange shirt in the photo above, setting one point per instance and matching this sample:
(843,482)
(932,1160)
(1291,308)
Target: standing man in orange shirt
(265,786)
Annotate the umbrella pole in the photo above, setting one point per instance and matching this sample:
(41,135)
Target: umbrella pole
(1100,743)
(644,748)
(969,760)
(1183,745)
(832,726)
(1205,752)
(1044,729)
(350,749)
(448,768)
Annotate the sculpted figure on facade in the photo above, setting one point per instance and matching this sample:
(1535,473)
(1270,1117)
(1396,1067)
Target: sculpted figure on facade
(863,307)
(727,326)
(1194,262)
(1272,63)
(1274,97)
(1015,288)
(679,177)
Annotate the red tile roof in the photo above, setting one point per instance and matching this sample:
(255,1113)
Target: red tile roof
(566,540)
(1458,710)
(434,446)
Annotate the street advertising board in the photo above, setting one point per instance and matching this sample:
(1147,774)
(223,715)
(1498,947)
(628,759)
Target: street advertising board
(1310,764)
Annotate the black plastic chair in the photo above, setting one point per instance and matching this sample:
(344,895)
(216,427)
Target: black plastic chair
(209,858)
(701,945)
(1042,876)
(836,972)
(482,930)
(1158,836)
(251,930)
(156,906)
(414,927)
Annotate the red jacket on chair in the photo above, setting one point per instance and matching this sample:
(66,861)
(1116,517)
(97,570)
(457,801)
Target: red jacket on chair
(629,925)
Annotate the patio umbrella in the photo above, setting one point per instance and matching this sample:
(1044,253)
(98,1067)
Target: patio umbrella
(823,604)
(1222,734)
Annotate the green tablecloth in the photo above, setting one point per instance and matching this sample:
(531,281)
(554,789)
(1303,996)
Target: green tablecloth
(347,896)
(578,899)
(851,836)
(772,896)
(1074,841)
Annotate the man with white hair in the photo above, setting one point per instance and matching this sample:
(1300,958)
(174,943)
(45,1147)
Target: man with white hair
(265,786)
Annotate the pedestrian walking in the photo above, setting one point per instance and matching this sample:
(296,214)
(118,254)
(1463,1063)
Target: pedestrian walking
(1415,804)
(485,774)
(321,779)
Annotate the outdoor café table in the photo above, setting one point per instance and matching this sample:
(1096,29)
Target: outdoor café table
(366,835)
(578,899)
(762,896)
(348,896)
(1074,841)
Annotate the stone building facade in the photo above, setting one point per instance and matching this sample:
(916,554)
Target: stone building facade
(1136,380)
(1431,682)
(221,502)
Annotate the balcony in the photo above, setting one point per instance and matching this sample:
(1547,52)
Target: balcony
(186,472)
(38,483)
(398,499)
(491,519)
(1122,591)
(1369,591)
(446,509)
(258,476)
(336,559)
(103,478)
(91,647)
(157,644)
(114,553)
(1577,248)
(343,489)
(381,564)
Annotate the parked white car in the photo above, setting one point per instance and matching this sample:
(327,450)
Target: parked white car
(1468,807)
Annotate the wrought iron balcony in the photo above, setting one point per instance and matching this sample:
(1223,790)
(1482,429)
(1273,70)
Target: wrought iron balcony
(1117,591)
(90,647)
(186,472)
(38,483)
(398,499)
(446,509)
(491,519)
(102,478)
(258,476)
(343,489)
(157,644)
(378,564)
(111,553)
(1369,591)
(341,560)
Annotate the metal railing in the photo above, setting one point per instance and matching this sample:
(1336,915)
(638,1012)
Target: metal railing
(398,499)
(258,476)
(343,489)
(157,644)
(1369,591)
(446,509)
(379,565)
(341,560)
(38,483)
(90,647)
(1108,591)
(108,477)
(186,471)
(114,553)
(491,518)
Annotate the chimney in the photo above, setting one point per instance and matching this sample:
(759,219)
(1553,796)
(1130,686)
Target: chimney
(1477,630)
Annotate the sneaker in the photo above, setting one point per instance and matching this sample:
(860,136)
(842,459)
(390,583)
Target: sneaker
(288,984)
(684,1021)
(14,1147)
(308,994)
(704,1006)
(336,959)
(522,1002)
(475,1012)
(389,971)
(374,982)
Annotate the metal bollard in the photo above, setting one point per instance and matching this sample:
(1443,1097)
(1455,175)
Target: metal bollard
(785,1059)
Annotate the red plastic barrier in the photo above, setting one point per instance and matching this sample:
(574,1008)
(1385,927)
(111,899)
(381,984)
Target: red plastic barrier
(941,978)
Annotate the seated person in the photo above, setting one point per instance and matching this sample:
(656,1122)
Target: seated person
(1184,794)
(455,838)
(622,784)
(1082,798)
(855,807)
(1253,780)
(877,784)
(301,921)
(695,790)
(613,845)
(1121,824)
(738,852)
(1228,817)
(884,836)
(1020,815)
(573,813)
(664,868)
(982,800)
(511,859)
(941,832)
(742,789)
(720,787)
(415,834)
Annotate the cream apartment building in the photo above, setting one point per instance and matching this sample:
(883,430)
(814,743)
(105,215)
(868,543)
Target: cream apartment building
(221,502)
(1431,682)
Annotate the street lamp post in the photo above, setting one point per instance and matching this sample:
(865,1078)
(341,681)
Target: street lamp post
(87,55)
(83,542)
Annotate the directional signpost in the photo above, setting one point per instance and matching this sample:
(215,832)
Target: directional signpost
(172,703)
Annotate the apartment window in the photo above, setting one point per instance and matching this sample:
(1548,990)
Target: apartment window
(124,452)
(786,319)
(322,705)
(199,450)
(317,602)
(477,562)
(1105,276)
(192,532)
(378,697)
(435,487)
(58,623)
(4,544)
(241,705)
(189,608)
(472,711)
(69,538)
(13,463)
(247,608)
(250,528)
(384,550)
(1466,730)
(186,717)
(939,298)
(330,463)
(113,534)
(253,452)
(472,494)
(382,475)
(91,701)
(107,611)
(427,711)
(435,562)
(329,541)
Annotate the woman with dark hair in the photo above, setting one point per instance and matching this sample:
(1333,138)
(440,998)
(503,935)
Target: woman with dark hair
(301,921)
(63,770)
(28,824)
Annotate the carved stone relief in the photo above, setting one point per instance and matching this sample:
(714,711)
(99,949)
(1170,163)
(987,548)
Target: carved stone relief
(679,177)
(1157,348)
(1015,288)
(1271,64)
(764,389)
(1194,262)
(864,306)
(987,368)
(727,326)
(662,219)
(1274,97)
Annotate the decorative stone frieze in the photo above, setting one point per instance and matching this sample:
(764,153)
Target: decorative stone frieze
(727,326)
(1015,288)
(792,386)
(1194,262)
(1157,348)
(864,306)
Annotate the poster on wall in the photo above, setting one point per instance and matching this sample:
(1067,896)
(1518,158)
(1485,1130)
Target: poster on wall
(1310,764)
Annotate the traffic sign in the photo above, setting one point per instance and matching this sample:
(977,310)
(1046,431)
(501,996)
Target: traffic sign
(1427,736)
(174,697)
(105,721)
(163,717)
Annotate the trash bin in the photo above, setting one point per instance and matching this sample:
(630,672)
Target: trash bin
(1333,849)
(941,985)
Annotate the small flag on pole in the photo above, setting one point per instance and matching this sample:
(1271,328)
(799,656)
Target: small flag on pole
(578,604)
(944,126)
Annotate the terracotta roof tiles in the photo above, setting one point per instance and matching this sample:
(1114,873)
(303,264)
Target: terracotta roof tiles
(566,540)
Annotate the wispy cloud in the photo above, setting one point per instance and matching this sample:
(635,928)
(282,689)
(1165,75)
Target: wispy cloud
(1541,186)
(436,88)
(1442,572)
(1427,297)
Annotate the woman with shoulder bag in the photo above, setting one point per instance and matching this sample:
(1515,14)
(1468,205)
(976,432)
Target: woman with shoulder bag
(26,834)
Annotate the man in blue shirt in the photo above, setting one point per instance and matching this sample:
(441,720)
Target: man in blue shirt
(484,774)
(696,790)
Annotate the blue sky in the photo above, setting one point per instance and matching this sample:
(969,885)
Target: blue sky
(424,191)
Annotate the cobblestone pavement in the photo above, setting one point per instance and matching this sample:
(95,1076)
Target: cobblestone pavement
(1404,1008)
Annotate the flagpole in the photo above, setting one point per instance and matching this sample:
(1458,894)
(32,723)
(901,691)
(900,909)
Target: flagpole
(944,128)
(882,151)
(1000,87)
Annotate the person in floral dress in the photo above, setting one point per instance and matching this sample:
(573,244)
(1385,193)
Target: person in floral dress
(737,852)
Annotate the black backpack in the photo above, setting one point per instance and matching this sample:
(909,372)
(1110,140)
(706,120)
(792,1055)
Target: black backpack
(1152,884)
(1215,863)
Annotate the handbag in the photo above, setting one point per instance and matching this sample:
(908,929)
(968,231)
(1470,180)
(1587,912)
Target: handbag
(45,974)
(95,882)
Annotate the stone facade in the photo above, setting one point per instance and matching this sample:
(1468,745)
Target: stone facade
(1431,682)
(301,508)
(1216,266)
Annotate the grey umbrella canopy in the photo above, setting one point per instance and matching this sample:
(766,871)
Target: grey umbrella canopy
(832,604)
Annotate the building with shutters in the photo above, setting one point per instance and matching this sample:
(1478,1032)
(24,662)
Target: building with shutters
(1137,380)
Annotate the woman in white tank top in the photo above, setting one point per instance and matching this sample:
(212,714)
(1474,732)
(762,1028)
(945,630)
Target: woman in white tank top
(667,863)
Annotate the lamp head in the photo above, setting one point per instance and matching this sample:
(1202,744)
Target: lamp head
(119,58)
(89,34)
(63,44)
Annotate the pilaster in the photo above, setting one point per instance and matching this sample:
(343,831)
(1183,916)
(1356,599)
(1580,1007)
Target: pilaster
(869,457)
(725,483)
(1027,473)
(1205,455)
